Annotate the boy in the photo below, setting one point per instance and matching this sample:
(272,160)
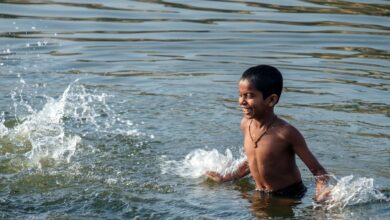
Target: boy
(270,143)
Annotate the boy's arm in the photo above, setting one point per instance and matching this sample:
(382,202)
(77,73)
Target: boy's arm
(321,175)
(242,170)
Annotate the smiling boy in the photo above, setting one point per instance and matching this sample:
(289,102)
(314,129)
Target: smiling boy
(270,143)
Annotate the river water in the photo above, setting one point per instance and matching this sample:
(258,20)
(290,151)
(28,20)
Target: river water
(114,110)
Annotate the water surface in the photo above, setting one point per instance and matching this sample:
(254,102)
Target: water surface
(101,103)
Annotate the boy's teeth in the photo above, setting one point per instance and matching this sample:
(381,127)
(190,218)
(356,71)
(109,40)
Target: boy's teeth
(247,110)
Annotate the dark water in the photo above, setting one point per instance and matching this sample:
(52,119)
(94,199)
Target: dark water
(101,103)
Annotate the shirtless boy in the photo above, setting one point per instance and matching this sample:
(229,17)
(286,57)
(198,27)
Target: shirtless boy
(270,143)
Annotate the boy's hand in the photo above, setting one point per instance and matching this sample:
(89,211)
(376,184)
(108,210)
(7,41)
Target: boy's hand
(322,188)
(214,176)
(322,193)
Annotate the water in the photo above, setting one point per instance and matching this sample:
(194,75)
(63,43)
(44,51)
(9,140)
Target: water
(113,110)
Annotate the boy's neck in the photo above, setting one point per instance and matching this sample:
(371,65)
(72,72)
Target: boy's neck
(264,121)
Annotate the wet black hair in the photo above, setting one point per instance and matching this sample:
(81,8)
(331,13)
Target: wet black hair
(267,79)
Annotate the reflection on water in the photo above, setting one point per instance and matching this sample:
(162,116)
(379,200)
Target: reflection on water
(169,71)
(266,206)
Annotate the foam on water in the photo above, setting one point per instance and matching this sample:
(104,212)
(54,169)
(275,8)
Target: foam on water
(197,162)
(350,190)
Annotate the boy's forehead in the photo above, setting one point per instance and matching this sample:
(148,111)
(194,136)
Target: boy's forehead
(246,84)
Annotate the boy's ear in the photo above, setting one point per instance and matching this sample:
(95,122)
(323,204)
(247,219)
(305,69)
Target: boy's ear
(273,99)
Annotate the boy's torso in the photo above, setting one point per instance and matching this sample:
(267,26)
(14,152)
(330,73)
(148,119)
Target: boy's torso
(272,162)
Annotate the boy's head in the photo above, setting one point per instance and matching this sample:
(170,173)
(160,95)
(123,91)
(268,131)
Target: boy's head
(267,79)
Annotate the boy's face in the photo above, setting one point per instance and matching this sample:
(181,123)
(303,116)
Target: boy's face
(251,100)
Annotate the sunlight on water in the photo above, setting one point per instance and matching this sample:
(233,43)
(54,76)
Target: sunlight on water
(197,162)
(350,190)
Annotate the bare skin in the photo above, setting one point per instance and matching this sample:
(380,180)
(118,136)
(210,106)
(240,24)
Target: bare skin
(271,161)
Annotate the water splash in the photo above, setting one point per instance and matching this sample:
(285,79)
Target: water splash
(346,191)
(197,162)
(55,131)
(350,190)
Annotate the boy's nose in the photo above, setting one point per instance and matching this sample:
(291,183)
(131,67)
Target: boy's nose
(242,101)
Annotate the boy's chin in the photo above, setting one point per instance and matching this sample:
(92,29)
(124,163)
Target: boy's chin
(248,116)
(248,113)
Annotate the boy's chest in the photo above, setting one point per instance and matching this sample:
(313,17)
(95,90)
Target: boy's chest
(268,148)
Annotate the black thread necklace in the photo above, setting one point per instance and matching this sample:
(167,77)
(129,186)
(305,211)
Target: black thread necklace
(262,135)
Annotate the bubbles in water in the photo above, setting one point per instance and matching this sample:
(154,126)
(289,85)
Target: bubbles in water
(197,162)
(349,190)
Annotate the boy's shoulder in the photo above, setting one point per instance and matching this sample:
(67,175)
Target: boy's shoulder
(244,123)
(286,130)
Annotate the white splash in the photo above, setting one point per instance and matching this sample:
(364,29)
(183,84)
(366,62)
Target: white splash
(44,130)
(349,191)
(199,161)
(44,133)
(3,129)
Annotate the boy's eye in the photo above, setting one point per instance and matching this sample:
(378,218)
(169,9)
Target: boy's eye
(246,95)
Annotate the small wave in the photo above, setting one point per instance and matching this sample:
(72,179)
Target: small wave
(196,163)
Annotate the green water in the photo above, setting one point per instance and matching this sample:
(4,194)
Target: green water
(157,80)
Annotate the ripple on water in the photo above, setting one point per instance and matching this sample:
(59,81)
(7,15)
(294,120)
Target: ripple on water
(173,65)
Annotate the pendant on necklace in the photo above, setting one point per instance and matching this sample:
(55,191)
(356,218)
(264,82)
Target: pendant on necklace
(258,140)
(261,136)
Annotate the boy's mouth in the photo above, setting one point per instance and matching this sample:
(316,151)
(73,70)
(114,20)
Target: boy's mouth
(247,111)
